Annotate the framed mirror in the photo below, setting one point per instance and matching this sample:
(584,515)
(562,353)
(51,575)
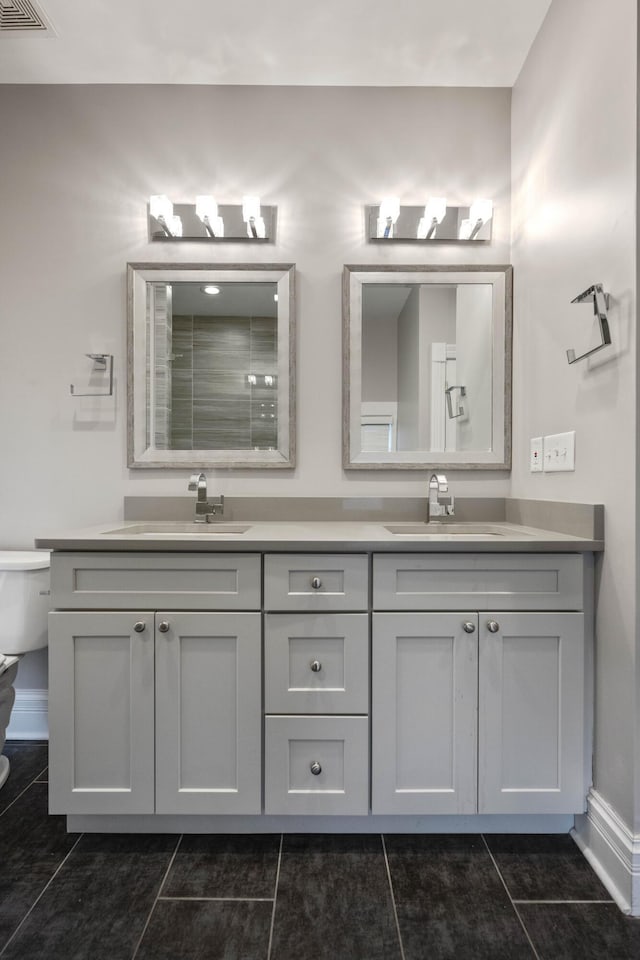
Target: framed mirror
(211,365)
(427,367)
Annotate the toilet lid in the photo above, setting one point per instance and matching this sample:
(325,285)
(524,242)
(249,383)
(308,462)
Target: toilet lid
(24,559)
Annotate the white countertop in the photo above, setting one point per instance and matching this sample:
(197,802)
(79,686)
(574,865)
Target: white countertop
(317,536)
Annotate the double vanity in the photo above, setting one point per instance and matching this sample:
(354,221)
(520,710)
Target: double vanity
(336,674)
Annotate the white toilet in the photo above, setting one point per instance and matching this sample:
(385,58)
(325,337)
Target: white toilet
(24,604)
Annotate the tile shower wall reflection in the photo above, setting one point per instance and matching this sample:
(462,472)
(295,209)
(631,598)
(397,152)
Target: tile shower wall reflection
(214,403)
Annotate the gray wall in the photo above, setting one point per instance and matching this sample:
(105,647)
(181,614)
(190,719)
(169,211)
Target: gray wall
(574,209)
(78,165)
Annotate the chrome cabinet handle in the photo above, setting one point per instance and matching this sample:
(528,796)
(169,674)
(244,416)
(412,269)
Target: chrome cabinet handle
(468,626)
(139,626)
(163,626)
(315,768)
(493,626)
(316,666)
(316,583)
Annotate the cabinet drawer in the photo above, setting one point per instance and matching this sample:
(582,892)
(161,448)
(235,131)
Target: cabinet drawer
(478,582)
(316,582)
(316,663)
(178,581)
(339,746)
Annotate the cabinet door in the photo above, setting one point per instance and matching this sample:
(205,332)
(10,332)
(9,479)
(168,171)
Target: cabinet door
(208,713)
(101,713)
(424,712)
(531,717)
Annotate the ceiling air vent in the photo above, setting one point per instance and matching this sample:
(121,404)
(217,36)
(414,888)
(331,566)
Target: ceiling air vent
(22,18)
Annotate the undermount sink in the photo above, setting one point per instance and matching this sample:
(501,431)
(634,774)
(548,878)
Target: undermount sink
(177,529)
(468,530)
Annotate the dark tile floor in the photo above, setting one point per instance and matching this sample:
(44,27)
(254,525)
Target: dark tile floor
(364,897)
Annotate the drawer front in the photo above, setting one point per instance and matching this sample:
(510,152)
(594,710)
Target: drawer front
(478,581)
(316,582)
(336,748)
(177,581)
(317,663)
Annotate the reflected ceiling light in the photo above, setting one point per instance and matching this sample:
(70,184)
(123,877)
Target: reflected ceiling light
(211,290)
(434,213)
(480,212)
(207,212)
(161,208)
(387,216)
(275,297)
(252,217)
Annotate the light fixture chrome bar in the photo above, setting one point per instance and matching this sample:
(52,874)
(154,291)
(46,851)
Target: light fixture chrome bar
(600,308)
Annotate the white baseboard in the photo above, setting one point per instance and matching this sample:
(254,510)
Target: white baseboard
(612,850)
(30,716)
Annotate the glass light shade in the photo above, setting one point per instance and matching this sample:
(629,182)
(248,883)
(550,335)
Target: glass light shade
(435,209)
(160,207)
(250,208)
(175,225)
(390,209)
(481,210)
(424,225)
(382,226)
(207,207)
(217,225)
(466,226)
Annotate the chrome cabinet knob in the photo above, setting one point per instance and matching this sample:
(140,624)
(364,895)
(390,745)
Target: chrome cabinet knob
(493,626)
(468,626)
(316,666)
(316,583)
(163,626)
(139,626)
(315,768)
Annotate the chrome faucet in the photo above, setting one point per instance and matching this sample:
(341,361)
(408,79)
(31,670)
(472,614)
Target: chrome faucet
(205,509)
(439,505)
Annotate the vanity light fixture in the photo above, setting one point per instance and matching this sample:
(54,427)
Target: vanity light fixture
(209,220)
(434,213)
(161,208)
(437,221)
(207,213)
(480,212)
(252,217)
(387,216)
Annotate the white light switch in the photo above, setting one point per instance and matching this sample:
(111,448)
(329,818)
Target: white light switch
(535,455)
(560,452)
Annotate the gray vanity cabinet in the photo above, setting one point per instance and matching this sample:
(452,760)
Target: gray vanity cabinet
(424,713)
(156,710)
(477,709)
(208,713)
(531,713)
(101,712)
(316,684)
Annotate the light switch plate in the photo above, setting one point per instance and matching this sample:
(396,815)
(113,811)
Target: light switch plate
(535,455)
(560,452)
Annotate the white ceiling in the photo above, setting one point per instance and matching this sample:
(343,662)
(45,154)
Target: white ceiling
(341,42)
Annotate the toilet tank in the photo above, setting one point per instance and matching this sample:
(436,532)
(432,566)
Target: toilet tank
(24,600)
